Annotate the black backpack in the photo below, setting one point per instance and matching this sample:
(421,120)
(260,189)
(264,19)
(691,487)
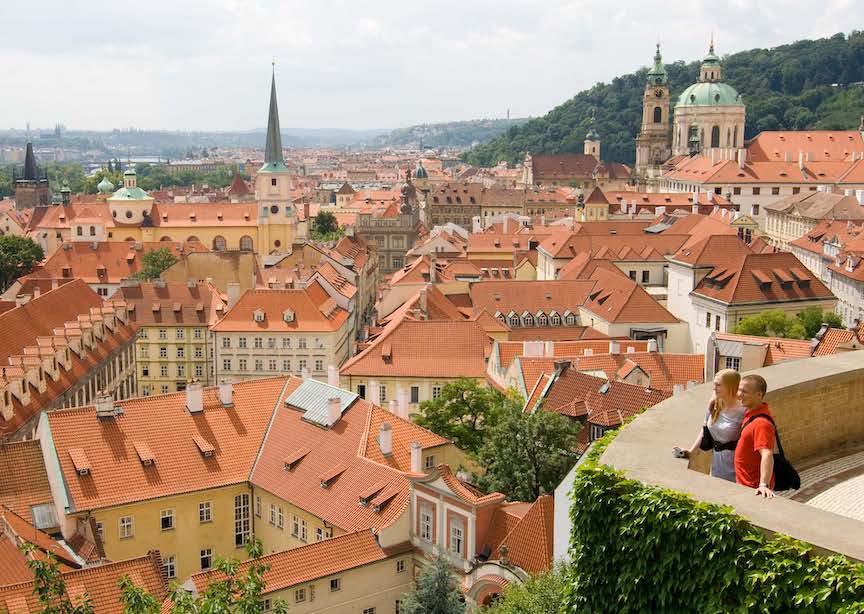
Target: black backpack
(785,476)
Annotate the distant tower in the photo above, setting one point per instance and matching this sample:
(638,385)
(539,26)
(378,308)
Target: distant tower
(592,140)
(653,145)
(31,187)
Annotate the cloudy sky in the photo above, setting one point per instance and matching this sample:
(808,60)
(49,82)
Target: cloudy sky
(205,64)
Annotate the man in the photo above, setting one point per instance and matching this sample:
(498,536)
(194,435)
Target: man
(754,455)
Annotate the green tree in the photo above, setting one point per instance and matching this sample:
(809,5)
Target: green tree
(49,587)
(813,317)
(18,256)
(231,592)
(325,227)
(526,454)
(434,592)
(463,413)
(540,594)
(155,262)
(777,323)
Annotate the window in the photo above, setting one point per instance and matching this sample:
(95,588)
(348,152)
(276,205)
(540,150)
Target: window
(295,526)
(166,522)
(426,523)
(382,394)
(632,275)
(242,523)
(205,512)
(436,392)
(300,595)
(199,351)
(319,534)
(457,538)
(319,365)
(241,342)
(163,351)
(415,394)
(226,342)
(555,319)
(361,391)
(718,190)
(286,365)
(429,461)
(258,506)
(271,343)
(163,388)
(280,517)
(199,370)
(775,191)
(286,343)
(717,323)
(304,531)
(733,362)
(145,370)
(163,370)
(242,364)
(400,566)
(271,364)
(258,343)
(756,191)
(163,333)
(180,334)
(143,333)
(368,610)
(127,527)
(169,567)
(226,364)
(754,210)
(273,181)
(197,333)
(273,514)
(658,115)
(335,584)
(644,277)
(736,191)
(181,370)
(181,352)
(301,343)
(259,365)
(144,351)
(206,558)
(796,190)
(708,319)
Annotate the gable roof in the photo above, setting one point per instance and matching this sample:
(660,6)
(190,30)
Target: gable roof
(23,479)
(154,303)
(532,296)
(529,541)
(617,298)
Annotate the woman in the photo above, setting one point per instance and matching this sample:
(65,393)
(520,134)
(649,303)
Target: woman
(723,421)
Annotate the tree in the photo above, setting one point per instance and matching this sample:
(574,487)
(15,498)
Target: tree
(777,323)
(540,594)
(526,454)
(155,262)
(49,587)
(463,412)
(434,592)
(325,227)
(229,593)
(18,256)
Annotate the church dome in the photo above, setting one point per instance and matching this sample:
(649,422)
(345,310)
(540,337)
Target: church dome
(420,172)
(105,186)
(709,94)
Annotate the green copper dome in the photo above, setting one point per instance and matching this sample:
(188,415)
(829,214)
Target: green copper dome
(709,94)
(105,186)
(657,75)
(129,172)
(420,172)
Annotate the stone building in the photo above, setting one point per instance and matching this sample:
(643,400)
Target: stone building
(652,144)
(31,187)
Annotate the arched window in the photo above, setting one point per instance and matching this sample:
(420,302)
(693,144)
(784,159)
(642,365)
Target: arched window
(527,320)
(570,319)
(542,320)
(728,137)
(92,231)
(246,243)
(735,137)
(80,231)
(165,239)
(514,321)
(219,243)
(658,115)
(555,319)
(193,239)
(715,136)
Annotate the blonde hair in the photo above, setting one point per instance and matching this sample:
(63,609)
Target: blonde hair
(729,379)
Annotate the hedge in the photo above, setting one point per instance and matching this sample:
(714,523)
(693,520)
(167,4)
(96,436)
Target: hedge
(640,548)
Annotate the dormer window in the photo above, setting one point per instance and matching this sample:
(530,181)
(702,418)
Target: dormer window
(288,316)
(258,315)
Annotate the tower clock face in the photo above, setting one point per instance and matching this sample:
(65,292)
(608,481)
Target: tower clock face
(658,93)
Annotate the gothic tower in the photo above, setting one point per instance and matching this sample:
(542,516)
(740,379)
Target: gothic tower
(31,187)
(653,146)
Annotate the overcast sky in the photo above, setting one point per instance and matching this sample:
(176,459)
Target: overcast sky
(205,64)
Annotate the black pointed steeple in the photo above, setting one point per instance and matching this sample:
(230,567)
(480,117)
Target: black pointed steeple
(273,160)
(31,172)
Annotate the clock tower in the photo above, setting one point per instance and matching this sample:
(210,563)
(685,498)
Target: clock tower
(653,145)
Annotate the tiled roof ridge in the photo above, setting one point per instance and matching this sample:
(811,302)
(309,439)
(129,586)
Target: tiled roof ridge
(89,570)
(279,403)
(541,502)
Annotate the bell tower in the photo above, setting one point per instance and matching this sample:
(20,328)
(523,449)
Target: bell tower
(653,145)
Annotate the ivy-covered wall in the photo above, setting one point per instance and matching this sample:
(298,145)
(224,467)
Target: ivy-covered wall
(640,548)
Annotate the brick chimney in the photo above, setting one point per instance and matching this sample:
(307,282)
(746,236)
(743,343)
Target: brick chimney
(385,439)
(226,393)
(195,397)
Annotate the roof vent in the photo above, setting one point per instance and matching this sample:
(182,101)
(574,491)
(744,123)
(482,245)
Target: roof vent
(205,447)
(330,476)
(80,461)
(294,458)
(145,454)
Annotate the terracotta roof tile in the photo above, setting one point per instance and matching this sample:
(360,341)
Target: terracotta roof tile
(23,479)
(310,307)
(154,303)
(529,542)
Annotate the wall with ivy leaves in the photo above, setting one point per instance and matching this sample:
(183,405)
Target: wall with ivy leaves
(640,548)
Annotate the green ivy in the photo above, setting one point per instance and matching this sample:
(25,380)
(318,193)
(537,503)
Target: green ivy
(640,548)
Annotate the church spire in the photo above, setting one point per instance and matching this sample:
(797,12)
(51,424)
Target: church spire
(30,170)
(273,149)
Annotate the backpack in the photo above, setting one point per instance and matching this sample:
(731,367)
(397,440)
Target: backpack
(785,476)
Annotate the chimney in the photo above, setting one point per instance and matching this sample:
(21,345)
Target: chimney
(305,210)
(22,299)
(304,373)
(710,196)
(56,284)
(661,210)
(859,194)
(104,405)
(226,393)
(416,456)
(403,404)
(333,376)
(195,397)
(549,349)
(614,347)
(561,365)
(385,439)
(677,389)
(334,410)
(432,268)
(588,352)
(652,345)
(423,302)
(801,160)
(36,291)
(233,289)
(374,392)
(741,158)
(393,407)
(694,209)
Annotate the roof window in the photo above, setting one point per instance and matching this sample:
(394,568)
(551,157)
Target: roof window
(293,459)
(205,447)
(80,461)
(145,454)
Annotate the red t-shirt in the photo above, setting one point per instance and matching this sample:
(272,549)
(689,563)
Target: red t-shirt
(757,435)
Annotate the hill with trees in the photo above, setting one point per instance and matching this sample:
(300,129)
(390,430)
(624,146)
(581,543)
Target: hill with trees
(810,84)
(449,134)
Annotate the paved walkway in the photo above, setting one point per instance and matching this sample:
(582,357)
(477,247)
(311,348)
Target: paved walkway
(834,482)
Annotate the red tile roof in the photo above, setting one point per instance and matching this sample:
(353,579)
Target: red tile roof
(821,145)
(200,304)
(23,479)
(531,296)
(617,298)
(529,542)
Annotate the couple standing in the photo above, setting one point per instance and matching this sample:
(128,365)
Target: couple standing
(743,445)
